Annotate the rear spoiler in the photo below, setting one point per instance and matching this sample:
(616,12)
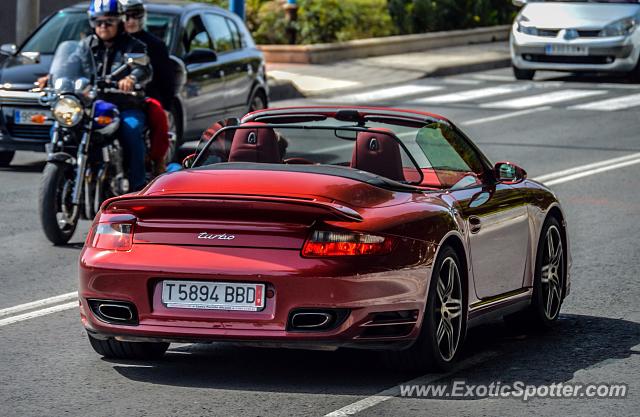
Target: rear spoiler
(232,205)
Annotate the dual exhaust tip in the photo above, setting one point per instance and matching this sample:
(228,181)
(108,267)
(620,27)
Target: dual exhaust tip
(115,312)
(303,320)
(313,320)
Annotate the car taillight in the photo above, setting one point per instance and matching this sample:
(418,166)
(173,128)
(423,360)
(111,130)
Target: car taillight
(111,236)
(345,244)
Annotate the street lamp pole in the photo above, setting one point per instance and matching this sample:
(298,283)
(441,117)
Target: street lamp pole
(237,7)
(27,18)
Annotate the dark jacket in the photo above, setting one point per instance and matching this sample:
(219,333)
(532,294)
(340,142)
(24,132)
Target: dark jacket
(107,60)
(162,85)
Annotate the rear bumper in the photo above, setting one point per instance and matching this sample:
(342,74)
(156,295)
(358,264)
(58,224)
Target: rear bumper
(296,283)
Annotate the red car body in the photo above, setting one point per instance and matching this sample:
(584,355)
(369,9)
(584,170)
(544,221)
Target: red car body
(181,228)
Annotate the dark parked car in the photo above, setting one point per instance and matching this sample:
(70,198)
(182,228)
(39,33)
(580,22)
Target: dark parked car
(225,71)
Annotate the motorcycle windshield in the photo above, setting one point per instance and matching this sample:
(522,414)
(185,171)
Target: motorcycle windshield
(72,68)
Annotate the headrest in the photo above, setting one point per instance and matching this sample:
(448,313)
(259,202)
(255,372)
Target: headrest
(255,145)
(379,154)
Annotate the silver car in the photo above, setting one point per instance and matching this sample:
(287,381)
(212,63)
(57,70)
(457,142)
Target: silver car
(576,35)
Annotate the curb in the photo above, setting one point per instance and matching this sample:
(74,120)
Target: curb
(332,52)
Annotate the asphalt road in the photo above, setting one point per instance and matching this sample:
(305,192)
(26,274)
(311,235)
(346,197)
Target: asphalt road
(47,367)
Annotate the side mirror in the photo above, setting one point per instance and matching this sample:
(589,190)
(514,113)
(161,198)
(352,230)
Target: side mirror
(136,59)
(519,3)
(8,49)
(188,161)
(200,56)
(509,173)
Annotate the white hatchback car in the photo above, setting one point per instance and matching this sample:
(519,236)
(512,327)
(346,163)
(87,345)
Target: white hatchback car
(576,35)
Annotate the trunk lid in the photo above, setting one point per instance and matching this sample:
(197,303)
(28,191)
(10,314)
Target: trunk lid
(225,209)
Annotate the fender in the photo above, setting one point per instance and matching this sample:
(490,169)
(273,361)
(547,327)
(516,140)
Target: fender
(61,157)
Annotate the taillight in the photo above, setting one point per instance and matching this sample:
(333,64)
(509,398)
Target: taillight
(111,236)
(345,244)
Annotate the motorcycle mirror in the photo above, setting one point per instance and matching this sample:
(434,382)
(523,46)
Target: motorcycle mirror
(136,59)
(8,49)
(34,57)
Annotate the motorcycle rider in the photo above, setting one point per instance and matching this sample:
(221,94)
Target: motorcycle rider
(109,44)
(160,90)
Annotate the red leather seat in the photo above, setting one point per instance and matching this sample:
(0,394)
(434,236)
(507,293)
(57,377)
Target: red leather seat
(379,154)
(255,145)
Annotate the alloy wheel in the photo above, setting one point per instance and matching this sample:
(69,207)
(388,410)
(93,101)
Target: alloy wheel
(552,272)
(448,309)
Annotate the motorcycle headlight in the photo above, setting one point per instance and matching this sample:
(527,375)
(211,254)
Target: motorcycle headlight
(523,26)
(622,27)
(68,111)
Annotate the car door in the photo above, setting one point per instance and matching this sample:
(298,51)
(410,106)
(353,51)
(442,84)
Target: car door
(495,215)
(234,61)
(204,91)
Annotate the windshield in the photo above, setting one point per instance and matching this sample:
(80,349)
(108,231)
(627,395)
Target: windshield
(72,67)
(430,155)
(64,26)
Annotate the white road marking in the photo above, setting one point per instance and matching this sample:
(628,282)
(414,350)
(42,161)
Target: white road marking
(461,81)
(393,392)
(587,167)
(311,82)
(39,303)
(38,313)
(544,99)
(504,116)
(475,94)
(493,77)
(387,93)
(595,171)
(612,104)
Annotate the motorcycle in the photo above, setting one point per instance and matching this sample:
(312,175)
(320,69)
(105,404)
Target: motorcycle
(85,163)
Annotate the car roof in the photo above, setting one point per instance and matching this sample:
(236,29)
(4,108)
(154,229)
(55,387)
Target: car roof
(332,110)
(177,7)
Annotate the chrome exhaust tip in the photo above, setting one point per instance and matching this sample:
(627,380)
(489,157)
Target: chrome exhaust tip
(114,312)
(310,320)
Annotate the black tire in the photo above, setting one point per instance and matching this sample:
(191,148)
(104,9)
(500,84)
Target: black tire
(114,349)
(537,316)
(634,74)
(51,198)
(523,74)
(6,157)
(258,101)
(425,354)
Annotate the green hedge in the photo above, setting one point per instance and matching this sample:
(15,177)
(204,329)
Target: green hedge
(322,21)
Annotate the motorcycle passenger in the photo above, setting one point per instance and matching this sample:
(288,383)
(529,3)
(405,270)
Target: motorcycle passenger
(161,88)
(109,44)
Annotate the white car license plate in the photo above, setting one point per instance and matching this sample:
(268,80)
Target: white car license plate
(571,50)
(213,295)
(32,117)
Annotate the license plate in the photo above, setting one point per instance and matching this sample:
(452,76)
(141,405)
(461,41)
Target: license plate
(571,50)
(32,117)
(213,295)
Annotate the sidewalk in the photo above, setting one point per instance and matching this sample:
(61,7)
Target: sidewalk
(288,81)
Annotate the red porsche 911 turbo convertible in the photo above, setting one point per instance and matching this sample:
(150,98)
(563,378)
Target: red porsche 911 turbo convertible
(325,227)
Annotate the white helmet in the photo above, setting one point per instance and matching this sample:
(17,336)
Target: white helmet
(133,7)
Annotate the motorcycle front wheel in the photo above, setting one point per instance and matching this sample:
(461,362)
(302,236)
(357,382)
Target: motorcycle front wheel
(59,217)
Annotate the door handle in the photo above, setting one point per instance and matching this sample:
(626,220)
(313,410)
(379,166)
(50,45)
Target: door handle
(475,224)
